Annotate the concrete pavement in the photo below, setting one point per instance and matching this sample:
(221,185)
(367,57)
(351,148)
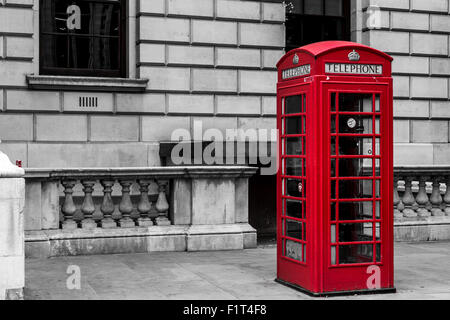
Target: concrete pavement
(421,273)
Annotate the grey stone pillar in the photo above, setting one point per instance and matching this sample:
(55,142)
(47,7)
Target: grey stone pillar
(12,251)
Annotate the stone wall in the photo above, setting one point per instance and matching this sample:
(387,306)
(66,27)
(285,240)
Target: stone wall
(209,60)
(416,34)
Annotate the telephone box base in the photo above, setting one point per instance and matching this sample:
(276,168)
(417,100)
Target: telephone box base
(336,293)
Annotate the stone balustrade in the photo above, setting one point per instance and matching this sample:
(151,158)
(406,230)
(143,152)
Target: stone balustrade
(121,210)
(421,192)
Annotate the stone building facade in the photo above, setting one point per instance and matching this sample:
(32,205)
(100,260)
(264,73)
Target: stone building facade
(207,62)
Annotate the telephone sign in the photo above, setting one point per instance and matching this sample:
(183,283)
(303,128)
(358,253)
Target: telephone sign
(335,182)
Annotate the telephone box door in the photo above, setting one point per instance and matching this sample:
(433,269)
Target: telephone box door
(293,184)
(358,206)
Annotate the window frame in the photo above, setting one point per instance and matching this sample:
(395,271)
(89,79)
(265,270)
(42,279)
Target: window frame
(82,72)
(345,18)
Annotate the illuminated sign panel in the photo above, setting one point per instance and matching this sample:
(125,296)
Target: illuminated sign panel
(352,68)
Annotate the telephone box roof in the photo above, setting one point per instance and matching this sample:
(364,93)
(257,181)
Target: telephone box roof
(321,48)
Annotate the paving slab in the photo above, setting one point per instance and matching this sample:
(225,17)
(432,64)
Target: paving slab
(420,273)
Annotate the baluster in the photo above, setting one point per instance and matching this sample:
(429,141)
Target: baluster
(162,206)
(107,207)
(125,206)
(422,198)
(436,198)
(447,197)
(68,208)
(408,199)
(144,205)
(397,213)
(88,208)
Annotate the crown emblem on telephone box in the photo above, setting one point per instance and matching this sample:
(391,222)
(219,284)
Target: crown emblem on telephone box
(354,56)
(296,59)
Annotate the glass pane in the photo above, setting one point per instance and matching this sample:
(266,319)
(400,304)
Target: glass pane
(355,211)
(313,7)
(355,189)
(87,38)
(333,168)
(293,104)
(355,167)
(355,146)
(294,167)
(333,255)
(294,125)
(377,103)
(355,232)
(295,188)
(356,253)
(294,229)
(333,207)
(333,102)
(356,124)
(355,102)
(378,252)
(294,146)
(294,209)
(294,6)
(333,7)
(294,250)
(333,233)
(333,146)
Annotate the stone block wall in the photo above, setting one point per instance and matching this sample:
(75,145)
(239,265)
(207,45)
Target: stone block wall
(417,34)
(209,60)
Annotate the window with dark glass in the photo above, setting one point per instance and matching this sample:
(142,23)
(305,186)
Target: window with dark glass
(82,37)
(309,21)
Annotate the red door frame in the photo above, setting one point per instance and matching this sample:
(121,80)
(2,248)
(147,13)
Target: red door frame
(338,278)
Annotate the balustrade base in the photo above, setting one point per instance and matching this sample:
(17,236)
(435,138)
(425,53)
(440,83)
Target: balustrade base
(53,243)
(69,225)
(145,222)
(162,221)
(88,224)
(108,223)
(127,223)
(422,229)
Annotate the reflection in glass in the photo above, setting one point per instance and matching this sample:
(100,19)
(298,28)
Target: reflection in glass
(355,211)
(313,7)
(355,189)
(294,125)
(333,7)
(294,208)
(355,102)
(378,252)
(294,229)
(355,232)
(295,188)
(356,253)
(355,124)
(294,146)
(294,167)
(355,167)
(293,104)
(294,250)
(355,146)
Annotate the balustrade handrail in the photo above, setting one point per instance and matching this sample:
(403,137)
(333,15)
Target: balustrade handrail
(437,170)
(151,172)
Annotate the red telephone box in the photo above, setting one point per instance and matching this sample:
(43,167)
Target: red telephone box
(335,182)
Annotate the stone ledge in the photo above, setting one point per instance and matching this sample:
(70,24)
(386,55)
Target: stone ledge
(422,229)
(53,243)
(67,83)
(153,172)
